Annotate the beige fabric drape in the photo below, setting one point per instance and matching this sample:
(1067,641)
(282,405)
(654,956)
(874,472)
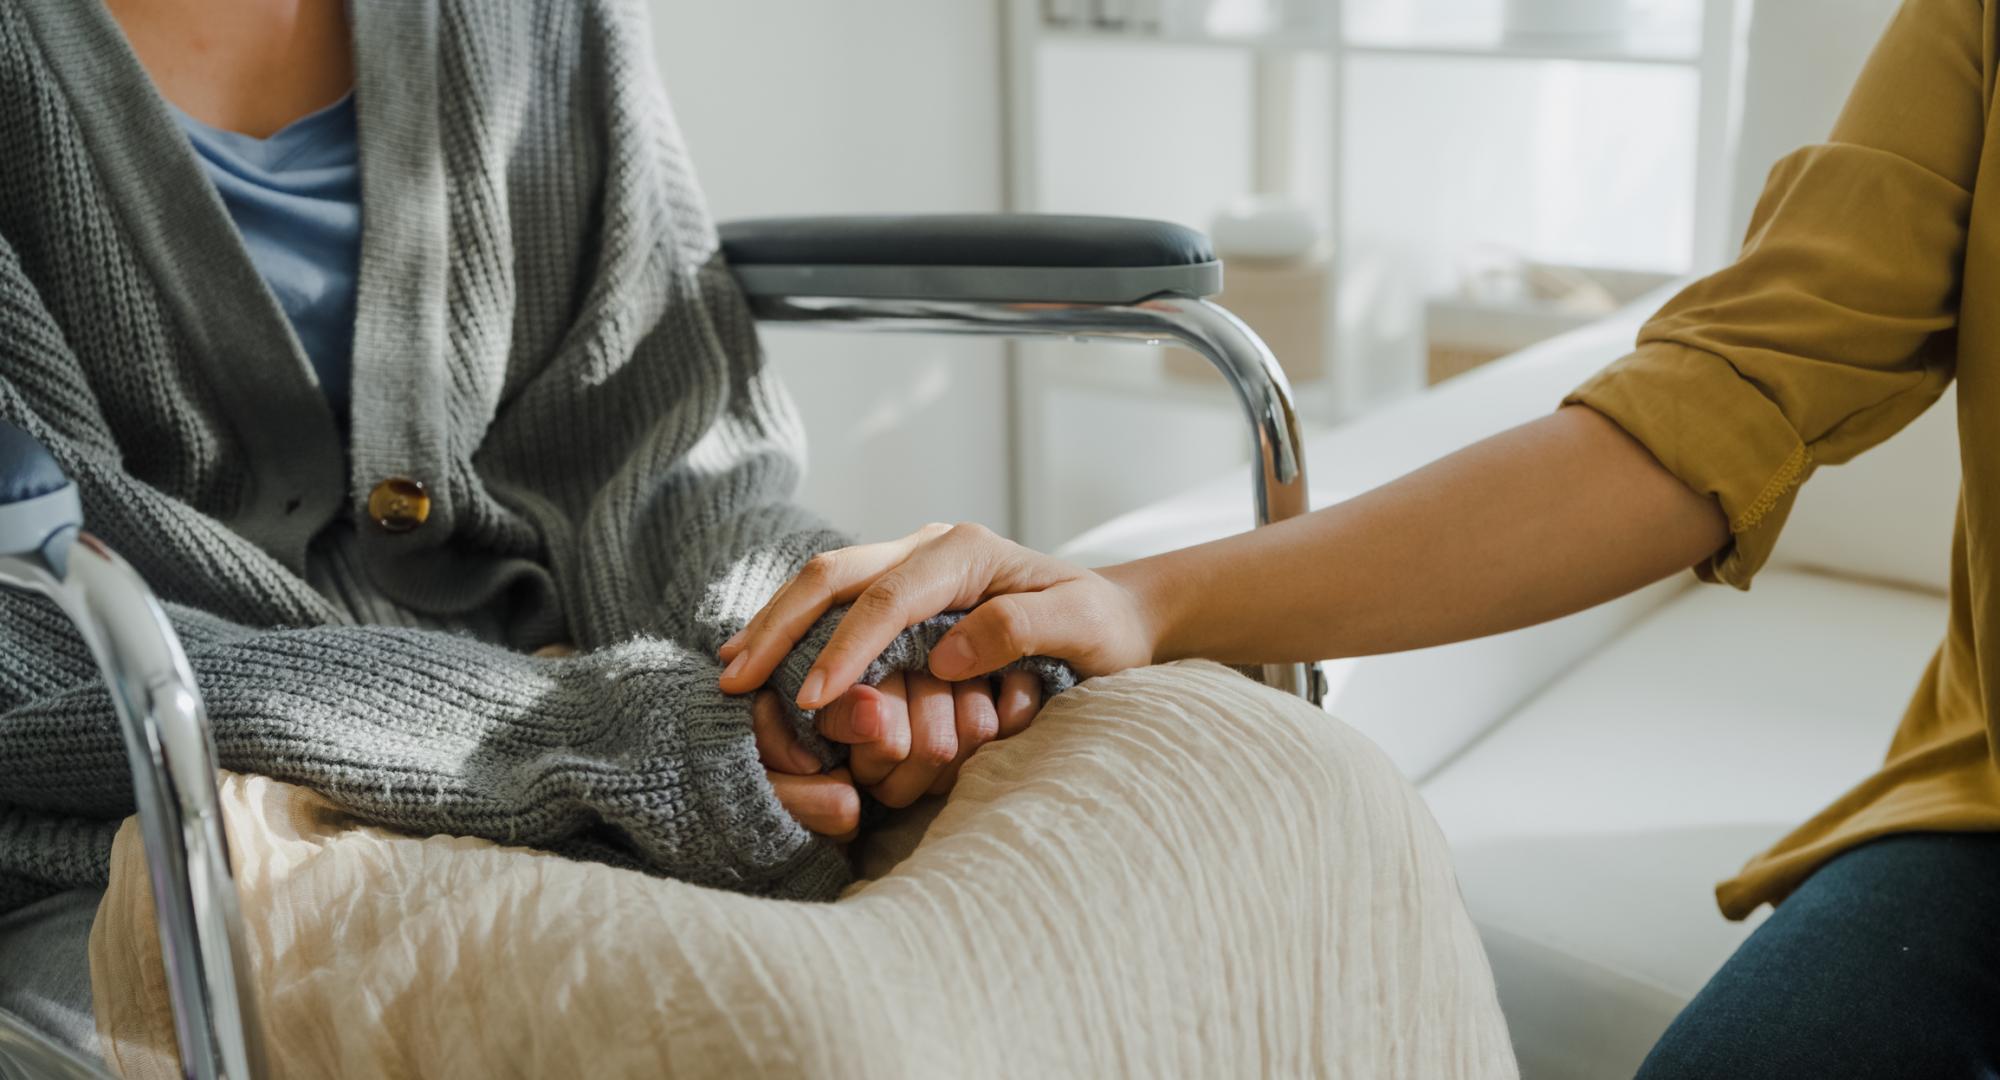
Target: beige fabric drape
(1174,872)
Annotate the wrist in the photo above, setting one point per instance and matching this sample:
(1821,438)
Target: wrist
(1155,607)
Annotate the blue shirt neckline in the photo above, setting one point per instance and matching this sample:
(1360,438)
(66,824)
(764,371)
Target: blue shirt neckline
(279,150)
(295,198)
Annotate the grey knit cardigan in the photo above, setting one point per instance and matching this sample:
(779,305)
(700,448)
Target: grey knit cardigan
(546,340)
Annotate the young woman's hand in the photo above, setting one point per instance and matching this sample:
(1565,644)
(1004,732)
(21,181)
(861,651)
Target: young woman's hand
(1022,603)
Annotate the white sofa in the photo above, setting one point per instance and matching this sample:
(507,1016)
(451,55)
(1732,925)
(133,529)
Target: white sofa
(1598,775)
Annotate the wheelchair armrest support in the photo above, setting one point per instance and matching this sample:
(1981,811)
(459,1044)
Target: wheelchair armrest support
(168,747)
(1029,276)
(1019,258)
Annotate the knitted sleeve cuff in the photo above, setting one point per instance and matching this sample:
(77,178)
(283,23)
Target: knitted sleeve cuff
(630,750)
(708,814)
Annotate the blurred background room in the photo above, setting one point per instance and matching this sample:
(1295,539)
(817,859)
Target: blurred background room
(1402,190)
(1513,756)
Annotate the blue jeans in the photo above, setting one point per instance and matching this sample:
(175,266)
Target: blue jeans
(1885,963)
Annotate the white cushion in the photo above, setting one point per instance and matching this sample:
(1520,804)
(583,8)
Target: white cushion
(1424,707)
(1590,827)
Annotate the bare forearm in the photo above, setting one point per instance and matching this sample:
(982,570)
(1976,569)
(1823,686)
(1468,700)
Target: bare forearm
(1546,519)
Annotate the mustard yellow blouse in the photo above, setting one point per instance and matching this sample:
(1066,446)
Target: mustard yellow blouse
(1870,278)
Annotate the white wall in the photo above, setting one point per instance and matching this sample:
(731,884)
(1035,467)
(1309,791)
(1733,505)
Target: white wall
(1140,132)
(804,106)
(1792,91)
(1581,164)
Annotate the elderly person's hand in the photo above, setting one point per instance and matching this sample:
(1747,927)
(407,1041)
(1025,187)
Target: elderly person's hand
(910,734)
(907,738)
(1020,603)
(824,802)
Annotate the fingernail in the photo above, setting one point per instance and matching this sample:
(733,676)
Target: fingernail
(735,639)
(735,665)
(951,656)
(867,720)
(809,693)
(803,759)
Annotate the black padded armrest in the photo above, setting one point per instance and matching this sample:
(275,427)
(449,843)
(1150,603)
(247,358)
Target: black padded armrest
(37,502)
(1048,258)
(26,469)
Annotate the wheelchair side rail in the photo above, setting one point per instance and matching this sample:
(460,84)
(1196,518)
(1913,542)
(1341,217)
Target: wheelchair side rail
(1035,275)
(168,745)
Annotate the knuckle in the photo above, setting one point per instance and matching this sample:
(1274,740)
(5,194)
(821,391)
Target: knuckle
(971,532)
(882,598)
(819,569)
(890,752)
(846,810)
(935,753)
(872,762)
(1008,624)
(984,727)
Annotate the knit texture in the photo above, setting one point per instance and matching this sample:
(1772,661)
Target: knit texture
(546,339)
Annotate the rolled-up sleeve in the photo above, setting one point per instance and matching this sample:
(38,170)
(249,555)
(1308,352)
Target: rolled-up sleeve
(1835,327)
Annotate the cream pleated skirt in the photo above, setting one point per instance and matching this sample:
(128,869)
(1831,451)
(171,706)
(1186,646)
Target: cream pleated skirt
(1174,872)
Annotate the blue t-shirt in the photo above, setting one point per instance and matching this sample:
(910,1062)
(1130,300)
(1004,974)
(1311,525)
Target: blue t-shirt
(296,200)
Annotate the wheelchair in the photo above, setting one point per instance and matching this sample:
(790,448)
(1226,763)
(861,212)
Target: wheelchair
(1010,275)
